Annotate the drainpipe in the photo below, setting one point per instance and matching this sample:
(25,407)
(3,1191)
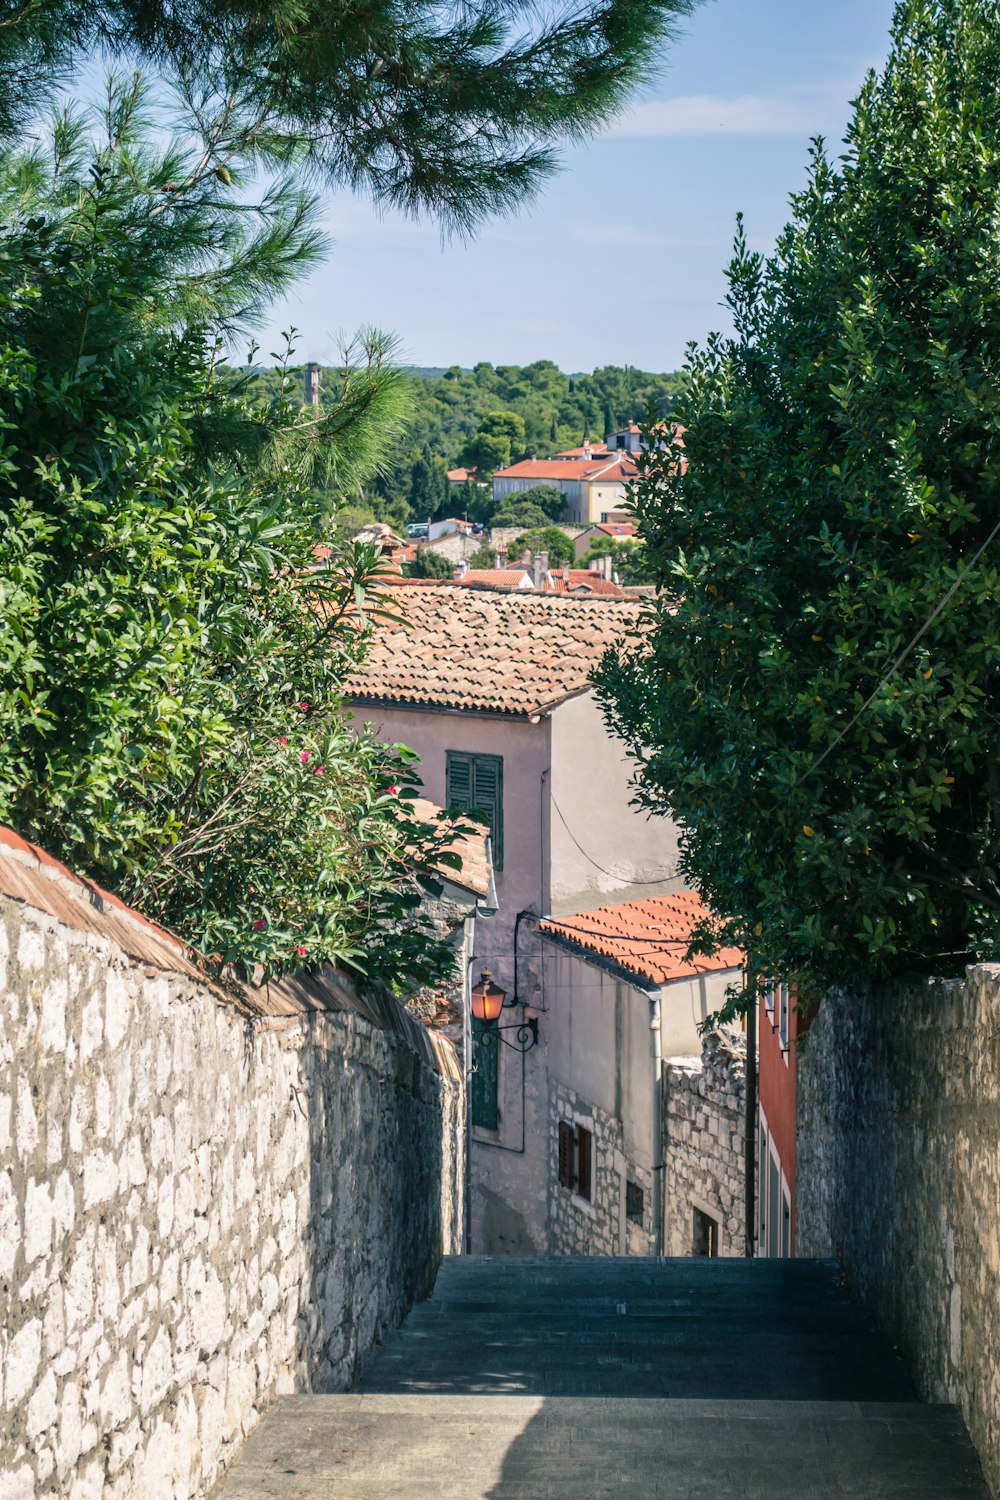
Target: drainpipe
(470,942)
(750,1129)
(657,1059)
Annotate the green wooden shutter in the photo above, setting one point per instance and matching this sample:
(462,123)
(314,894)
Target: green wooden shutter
(474,783)
(485,1112)
(458,780)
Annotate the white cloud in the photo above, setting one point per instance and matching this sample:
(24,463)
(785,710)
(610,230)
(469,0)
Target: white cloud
(710,114)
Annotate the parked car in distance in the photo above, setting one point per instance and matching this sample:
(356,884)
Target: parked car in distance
(421,528)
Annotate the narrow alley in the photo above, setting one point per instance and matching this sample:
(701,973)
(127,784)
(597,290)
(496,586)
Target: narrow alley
(526,1378)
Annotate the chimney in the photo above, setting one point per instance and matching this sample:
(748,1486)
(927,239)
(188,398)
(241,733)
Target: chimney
(587,450)
(565,572)
(312,387)
(606,560)
(595,565)
(500,557)
(540,569)
(461,570)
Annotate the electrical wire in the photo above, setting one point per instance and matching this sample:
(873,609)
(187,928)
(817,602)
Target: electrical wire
(622,879)
(903,654)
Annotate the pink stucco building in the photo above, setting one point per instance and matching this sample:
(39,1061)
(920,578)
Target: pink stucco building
(492,689)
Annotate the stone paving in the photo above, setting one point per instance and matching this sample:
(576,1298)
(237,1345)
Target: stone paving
(532,1379)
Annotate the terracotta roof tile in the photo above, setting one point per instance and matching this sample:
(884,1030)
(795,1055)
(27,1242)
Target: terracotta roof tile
(645,938)
(490,651)
(615,466)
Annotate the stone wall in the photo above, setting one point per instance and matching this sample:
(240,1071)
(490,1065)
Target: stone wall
(898,1175)
(205,1200)
(704,1124)
(600,1227)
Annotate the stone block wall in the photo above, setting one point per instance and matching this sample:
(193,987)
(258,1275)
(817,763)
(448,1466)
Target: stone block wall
(898,1175)
(201,1205)
(599,1227)
(704,1123)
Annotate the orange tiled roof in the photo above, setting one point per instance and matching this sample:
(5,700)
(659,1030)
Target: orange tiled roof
(617,528)
(590,450)
(645,938)
(502,578)
(584,579)
(516,652)
(615,467)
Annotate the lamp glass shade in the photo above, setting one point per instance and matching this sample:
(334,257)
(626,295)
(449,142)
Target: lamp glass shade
(487,999)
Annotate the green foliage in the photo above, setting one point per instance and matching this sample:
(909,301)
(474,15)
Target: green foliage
(630,561)
(170,654)
(818,699)
(430,564)
(547,497)
(453,111)
(498,443)
(517,512)
(545,539)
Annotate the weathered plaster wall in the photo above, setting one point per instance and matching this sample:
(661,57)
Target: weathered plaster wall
(600,1226)
(593,816)
(199,1209)
(704,1125)
(898,1175)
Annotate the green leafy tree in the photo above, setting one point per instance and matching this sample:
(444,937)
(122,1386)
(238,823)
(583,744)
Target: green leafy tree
(629,560)
(818,698)
(545,539)
(517,512)
(499,440)
(429,564)
(455,111)
(548,498)
(175,627)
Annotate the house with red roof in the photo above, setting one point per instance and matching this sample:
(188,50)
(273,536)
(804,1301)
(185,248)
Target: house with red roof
(620,1000)
(492,688)
(595,488)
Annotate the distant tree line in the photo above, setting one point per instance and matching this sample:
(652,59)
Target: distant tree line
(485,419)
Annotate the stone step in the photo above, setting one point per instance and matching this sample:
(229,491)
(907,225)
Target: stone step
(684,1329)
(420,1447)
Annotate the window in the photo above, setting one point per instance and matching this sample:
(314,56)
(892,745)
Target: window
(783,1018)
(576,1151)
(633,1202)
(705,1238)
(474,783)
(769,997)
(485,1109)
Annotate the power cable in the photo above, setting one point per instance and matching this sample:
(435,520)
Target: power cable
(621,879)
(903,654)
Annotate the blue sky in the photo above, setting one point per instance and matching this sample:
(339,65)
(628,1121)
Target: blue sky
(620,260)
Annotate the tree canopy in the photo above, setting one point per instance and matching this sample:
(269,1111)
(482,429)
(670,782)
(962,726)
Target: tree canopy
(173,645)
(817,700)
(453,110)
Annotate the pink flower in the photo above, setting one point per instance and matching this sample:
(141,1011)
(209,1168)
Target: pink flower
(259,925)
(301,952)
(305,755)
(319,770)
(303,707)
(393,791)
(282,741)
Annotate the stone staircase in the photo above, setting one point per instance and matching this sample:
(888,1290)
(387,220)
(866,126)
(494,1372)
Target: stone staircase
(527,1378)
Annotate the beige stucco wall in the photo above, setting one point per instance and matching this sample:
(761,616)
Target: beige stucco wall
(507,1195)
(590,786)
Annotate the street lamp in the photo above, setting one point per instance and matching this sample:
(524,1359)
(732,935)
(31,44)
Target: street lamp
(487,1001)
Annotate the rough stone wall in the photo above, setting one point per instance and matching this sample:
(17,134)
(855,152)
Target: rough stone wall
(704,1124)
(199,1209)
(898,1175)
(576,1227)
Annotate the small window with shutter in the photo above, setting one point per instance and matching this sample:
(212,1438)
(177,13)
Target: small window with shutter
(474,783)
(566,1143)
(584,1159)
(575,1159)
